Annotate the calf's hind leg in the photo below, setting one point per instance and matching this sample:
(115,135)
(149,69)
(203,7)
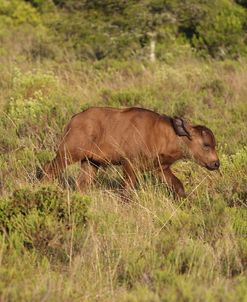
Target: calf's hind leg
(55,167)
(69,152)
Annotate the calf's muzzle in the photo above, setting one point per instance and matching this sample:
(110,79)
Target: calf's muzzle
(213,165)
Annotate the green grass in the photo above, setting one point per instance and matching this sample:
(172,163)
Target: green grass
(59,245)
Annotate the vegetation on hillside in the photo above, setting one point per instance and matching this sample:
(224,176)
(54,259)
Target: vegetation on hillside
(60,57)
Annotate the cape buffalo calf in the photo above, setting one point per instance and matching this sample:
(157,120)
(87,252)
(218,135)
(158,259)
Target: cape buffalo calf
(137,139)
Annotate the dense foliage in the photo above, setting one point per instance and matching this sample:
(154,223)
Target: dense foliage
(59,57)
(122,29)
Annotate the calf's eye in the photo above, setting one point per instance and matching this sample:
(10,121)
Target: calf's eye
(206,147)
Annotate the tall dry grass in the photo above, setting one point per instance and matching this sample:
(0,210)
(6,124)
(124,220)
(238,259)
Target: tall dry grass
(59,245)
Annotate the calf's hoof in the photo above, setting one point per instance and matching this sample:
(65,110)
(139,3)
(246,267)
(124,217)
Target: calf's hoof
(180,194)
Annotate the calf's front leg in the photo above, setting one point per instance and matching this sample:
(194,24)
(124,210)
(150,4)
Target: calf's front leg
(172,181)
(130,180)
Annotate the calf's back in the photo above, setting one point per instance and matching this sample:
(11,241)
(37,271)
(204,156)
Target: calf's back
(108,134)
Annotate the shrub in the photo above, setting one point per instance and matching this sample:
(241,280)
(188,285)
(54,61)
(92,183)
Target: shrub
(130,97)
(42,220)
(18,12)
(32,100)
(220,32)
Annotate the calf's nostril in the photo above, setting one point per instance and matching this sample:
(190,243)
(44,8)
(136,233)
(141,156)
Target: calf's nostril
(217,164)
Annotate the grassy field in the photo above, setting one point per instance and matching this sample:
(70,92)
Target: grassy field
(60,245)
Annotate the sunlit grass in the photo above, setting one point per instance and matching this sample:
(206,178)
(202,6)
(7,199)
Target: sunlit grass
(61,245)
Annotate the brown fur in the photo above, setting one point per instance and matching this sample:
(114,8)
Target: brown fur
(134,138)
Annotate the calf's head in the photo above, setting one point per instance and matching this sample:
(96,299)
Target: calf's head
(199,143)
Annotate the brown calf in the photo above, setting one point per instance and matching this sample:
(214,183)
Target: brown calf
(133,138)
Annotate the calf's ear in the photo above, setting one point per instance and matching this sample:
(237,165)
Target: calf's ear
(179,126)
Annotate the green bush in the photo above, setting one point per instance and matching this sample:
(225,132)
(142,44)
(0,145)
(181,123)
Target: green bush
(18,12)
(220,33)
(32,101)
(130,97)
(41,219)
